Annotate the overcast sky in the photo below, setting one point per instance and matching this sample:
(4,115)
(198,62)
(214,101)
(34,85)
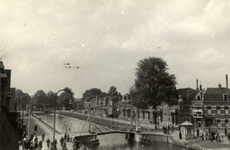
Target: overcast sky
(107,38)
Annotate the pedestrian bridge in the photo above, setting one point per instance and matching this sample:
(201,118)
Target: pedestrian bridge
(114,131)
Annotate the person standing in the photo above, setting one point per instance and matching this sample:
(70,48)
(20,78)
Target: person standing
(168,129)
(40,145)
(228,135)
(55,144)
(172,129)
(43,136)
(180,135)
(197,131)
(202,136)
(36,145)
(226,131)
(61,140)
(35,128)
(68,138)
(48,143)
(52,146)
(64,146)
(65,136)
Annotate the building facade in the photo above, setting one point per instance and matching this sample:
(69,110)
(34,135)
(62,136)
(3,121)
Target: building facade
(9,117)
(217,107)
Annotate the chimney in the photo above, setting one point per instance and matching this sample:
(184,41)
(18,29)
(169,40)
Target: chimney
(226,81)
(197,84)
(200,86)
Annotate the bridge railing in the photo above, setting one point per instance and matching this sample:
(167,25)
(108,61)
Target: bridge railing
(83,147)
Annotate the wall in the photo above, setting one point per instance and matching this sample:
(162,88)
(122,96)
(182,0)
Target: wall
(9,136)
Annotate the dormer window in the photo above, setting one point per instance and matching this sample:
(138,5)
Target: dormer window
(225,97)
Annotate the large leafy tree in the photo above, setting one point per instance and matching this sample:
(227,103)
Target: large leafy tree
(112,91)
(91,93)
(40,97)
(50,98)
(114,95)
(66,98)
(154,84)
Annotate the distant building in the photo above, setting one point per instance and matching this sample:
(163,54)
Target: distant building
(169,114)
(189,105)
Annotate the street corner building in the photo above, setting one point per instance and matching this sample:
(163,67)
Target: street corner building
(10,127)
(205,108)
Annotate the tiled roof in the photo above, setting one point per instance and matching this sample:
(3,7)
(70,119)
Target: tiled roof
(217,90)
(187,93)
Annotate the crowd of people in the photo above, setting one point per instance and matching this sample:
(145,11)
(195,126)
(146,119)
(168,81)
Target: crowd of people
(210,134)
(31,142)
(214,135)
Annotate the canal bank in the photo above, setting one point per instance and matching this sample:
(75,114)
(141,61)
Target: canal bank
(116,140)
(196,144)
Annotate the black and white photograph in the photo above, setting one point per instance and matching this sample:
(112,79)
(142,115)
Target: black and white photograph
(114,74)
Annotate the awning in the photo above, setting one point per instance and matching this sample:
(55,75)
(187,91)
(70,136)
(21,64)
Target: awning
(186,123)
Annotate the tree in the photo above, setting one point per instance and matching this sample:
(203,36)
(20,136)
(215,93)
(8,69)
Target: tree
(112,91)
(91,93)
(153,84)
(50,98)
(22,98)
(113,94)
(66,97)
(40,97)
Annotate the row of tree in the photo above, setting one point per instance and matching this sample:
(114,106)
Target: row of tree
(40,98)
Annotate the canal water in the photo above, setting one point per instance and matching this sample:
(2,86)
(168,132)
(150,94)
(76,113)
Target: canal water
(107,142)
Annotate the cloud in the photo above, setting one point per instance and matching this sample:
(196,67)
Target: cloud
(107,39)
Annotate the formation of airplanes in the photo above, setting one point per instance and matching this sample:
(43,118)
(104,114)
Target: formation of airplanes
(68,65)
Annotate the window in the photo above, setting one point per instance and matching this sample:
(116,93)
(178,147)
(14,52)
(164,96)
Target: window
(225,97)
(218,120)
(226,120)
(226,109)
(209,109)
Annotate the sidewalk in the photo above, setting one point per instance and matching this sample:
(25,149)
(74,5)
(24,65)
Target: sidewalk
(31,121)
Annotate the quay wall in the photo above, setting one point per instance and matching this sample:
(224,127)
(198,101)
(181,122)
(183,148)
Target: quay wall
(152,137)
(165,139)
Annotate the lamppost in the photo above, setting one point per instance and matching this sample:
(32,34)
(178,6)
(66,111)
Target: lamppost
(56,108)
(66,127)
(118,114)
(28,119)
